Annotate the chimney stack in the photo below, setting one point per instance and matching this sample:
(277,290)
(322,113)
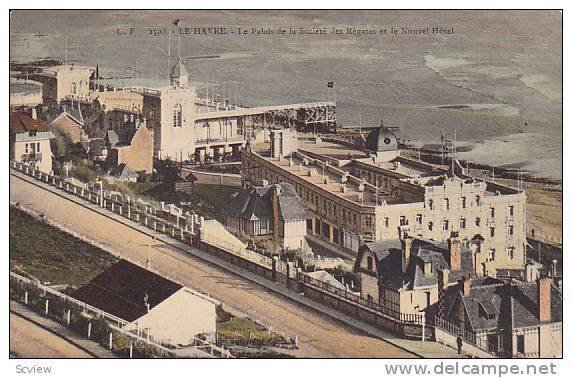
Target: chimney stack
(34,113)
(465,286)
(544,299)
(405,252)
(454,245)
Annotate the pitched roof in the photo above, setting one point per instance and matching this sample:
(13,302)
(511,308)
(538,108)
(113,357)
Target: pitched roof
(124,172)
(123,289)
(20,122)
(256,203)
(388,262)
(513,305)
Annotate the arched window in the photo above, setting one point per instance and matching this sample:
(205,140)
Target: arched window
(73,88)
(177,115)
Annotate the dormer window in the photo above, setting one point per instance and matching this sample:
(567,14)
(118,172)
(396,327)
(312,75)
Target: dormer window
(427,267)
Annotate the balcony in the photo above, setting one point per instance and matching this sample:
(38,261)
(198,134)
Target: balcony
(28,158)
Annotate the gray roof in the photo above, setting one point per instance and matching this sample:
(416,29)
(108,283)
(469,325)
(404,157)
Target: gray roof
(123,172)
(381,139)
(256,203)
(388,260)
(511,304)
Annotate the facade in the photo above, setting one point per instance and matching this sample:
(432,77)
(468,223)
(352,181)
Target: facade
(30,141)
(274,211)
(403,275)
(65,82)
(170,312)
(69,123)
(354,198)
(509,319)
(184,128)
(131,148)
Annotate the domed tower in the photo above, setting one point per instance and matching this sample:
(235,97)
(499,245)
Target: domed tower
(179,77)
(382,143)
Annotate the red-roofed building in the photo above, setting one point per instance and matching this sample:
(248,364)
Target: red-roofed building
(30,141)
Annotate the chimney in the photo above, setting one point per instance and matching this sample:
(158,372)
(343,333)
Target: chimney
(454,245)
(405,252)
(34,114)
(544,299)
(464,286)
(276,212)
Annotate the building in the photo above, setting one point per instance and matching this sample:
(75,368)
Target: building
(186,128)
(274,211)
(131,146)
(355,197)
(64,82)
(508,319)
(69,122)
(403,275)
(30,141)
(123,173)
(170,312)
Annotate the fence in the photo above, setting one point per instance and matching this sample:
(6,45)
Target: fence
(359,301)
(24,286)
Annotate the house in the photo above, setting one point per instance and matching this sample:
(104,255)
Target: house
(30,141)
(170,312)
(403,275)
(131,146)
(69,122)
(275,211)
(507,318)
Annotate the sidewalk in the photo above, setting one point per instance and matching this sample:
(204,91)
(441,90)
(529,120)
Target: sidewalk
(90,347)
(426,349)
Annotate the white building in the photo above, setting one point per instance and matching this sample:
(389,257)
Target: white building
(65,82)
(30,141)
(152,304)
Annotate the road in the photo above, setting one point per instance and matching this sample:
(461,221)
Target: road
(28,340)
(318,335)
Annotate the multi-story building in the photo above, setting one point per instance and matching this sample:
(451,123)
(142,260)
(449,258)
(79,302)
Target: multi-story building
(64,82)
(30,141)
(355,196)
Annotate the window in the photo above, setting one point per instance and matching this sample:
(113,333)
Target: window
(492,212)
(386,222)
(38,147)
(402,221)
(477,221)
(368,221)
(73,88)
(520,343)
(464,202)
(462,223)
(510,253)
(177,116)
(478,200)
(370,263)
(419,219)
(26,147)
(430,226)
(430,204)
(447,203)
(510,230)
(491,255)
(445,225)
(492,232)
(511,210)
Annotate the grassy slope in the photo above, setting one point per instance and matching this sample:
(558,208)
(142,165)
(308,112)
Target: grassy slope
(50,254)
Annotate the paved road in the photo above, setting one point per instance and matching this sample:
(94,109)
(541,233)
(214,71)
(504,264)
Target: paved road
(27,340)
(318,335)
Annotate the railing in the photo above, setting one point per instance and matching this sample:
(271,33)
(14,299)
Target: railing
(31,157)
(364,303)
(115,322)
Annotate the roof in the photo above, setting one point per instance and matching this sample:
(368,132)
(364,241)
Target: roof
(123,289)
(20,122)
(388,262)
(381,139)
(512,304)
(256,203)
(123,172)
(179,69)
(322,275)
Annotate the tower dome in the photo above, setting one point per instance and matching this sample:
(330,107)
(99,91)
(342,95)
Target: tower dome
(179,77)
(380,140)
